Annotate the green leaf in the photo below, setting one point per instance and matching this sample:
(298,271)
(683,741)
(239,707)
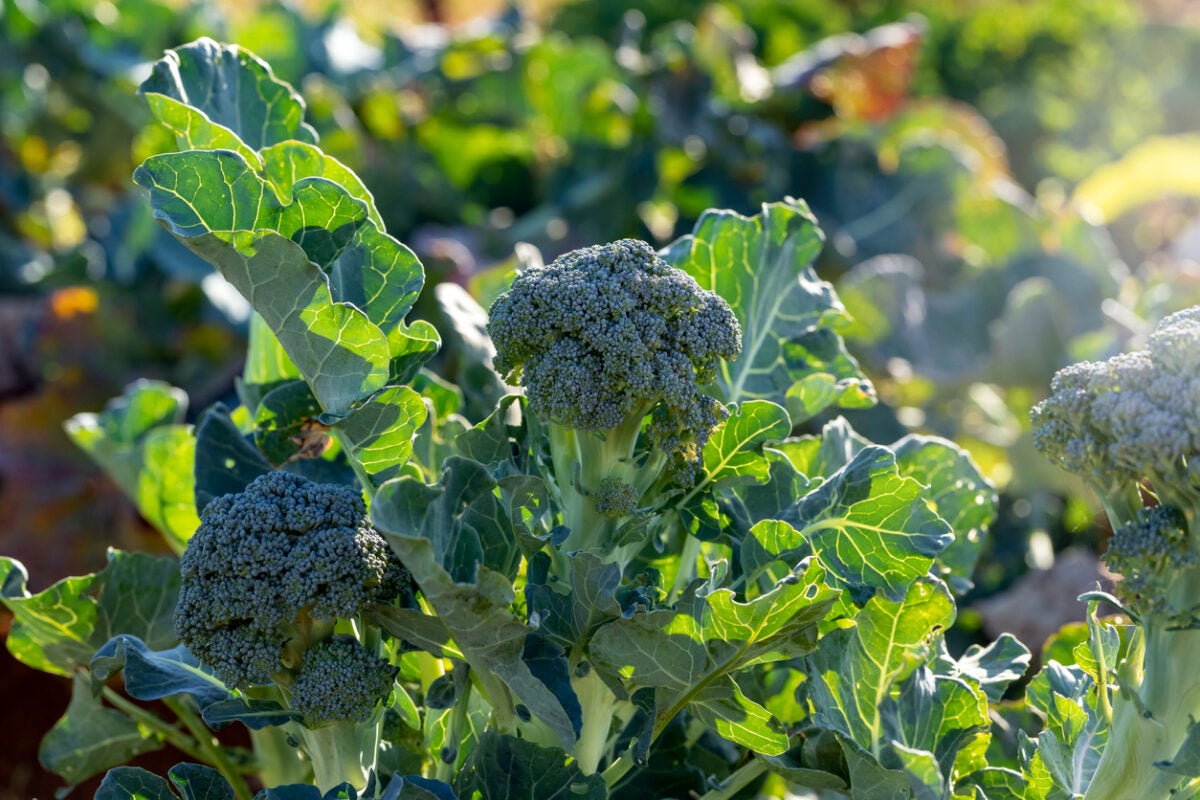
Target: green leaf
(993,667)
(225,461)
(723,707)
(447,536)
(937,715)
(507,768)
(732,453)
(690,656)
(139,441)
(789,317)
(233,89)
(330,284)
(192,781)
(134,783)
(90,738)
(285,424)
(200,782)
(154,674)
(379,434)
(854,670)
(960,495)
(217,206)
(871,526)
(59,629)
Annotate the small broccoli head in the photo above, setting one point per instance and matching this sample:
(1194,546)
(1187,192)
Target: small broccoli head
(271,568)
(340,680)
(615,498)
(1147,553)
(609,333)
(1132,417)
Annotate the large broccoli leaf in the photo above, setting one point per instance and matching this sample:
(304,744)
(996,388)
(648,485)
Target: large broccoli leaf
(791,351)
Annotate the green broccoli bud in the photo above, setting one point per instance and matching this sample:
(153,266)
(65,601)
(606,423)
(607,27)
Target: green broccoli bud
(1147,552)
(615,498)
(1130,418)
(340,680)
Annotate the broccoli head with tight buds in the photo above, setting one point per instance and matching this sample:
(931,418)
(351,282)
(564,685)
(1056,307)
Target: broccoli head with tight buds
(268,579)
(601,339)
(1130,426)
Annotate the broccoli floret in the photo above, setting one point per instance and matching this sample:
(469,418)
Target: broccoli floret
(1146,553)
(340,681)
(600,339)
(271,569)
(615,498)
(1130,418)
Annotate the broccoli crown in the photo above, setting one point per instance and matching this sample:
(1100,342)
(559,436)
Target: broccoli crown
(609,332)
(269,563)
(340,680)
(1131,417)
(1146,553)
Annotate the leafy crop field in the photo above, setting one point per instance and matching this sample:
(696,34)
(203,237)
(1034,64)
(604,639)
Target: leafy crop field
(708,401)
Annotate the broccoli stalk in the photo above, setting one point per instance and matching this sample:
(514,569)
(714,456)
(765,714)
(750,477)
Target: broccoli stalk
(613,346)
(1129,426)
(273,585)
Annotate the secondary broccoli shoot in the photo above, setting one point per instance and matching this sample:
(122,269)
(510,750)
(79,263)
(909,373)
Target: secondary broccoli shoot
(601,339)
(269,576)
(1131,426)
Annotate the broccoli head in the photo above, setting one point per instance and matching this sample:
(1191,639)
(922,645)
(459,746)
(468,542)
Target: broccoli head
(605,335)
(1131,418)
(271,569)
(340,680)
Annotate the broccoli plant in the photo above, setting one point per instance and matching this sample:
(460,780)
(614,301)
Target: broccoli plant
(274,583)
(1130,426)
(662,567)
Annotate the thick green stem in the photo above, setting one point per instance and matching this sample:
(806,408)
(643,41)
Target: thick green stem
(279,762)
(341,751)
(1150,721)
(599,706)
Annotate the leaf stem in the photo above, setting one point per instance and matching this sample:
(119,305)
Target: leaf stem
(214,752)
(742,777)
(164,730)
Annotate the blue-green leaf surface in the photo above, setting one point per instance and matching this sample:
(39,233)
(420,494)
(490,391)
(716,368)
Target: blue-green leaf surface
(59,629)
(90,737)
(507,768)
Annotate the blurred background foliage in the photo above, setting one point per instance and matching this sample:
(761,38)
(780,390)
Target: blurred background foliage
(1006,186)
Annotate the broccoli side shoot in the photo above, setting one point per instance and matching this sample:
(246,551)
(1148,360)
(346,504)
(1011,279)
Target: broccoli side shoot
(340,681)
(1131,425)
(266,579)
(602,338)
